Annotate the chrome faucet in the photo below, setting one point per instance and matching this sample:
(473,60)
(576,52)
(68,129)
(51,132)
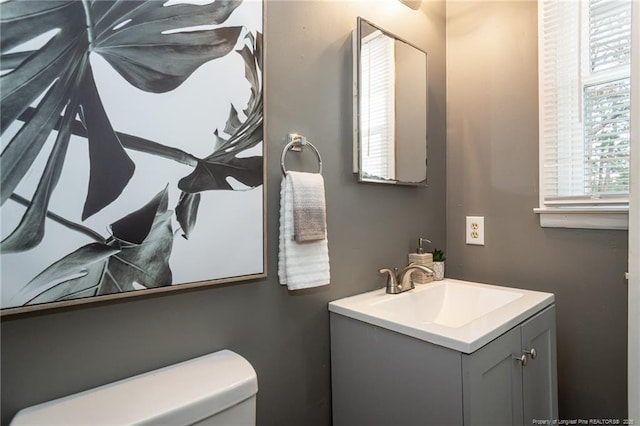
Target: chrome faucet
(398,282)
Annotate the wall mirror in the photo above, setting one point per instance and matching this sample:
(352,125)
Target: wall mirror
(390,108)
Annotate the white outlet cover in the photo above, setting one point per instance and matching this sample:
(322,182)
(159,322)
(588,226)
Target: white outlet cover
(475,230)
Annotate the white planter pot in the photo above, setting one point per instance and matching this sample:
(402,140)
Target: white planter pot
(438,269)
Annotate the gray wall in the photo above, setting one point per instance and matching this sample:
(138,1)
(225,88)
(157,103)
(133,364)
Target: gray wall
(492,171)
(284,335)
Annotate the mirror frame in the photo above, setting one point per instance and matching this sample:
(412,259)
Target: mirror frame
(357,158)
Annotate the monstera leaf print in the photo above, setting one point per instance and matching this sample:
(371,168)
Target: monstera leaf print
(138,251)
(153,45)
(212,172)
(48,93)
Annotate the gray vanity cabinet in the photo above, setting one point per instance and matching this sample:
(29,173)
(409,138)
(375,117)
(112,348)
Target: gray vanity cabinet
(492,383)
(380,377)
(503,384)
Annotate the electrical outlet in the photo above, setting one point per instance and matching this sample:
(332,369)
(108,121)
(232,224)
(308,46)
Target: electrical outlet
(475,230)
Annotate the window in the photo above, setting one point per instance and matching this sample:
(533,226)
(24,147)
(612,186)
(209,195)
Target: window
(584,84)
(377,122)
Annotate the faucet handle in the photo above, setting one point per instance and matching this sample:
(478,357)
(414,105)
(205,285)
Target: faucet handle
(392,281)
(391,275)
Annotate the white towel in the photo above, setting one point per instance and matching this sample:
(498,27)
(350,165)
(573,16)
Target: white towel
(300,265)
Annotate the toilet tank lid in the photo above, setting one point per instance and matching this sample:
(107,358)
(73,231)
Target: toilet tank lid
(178,394)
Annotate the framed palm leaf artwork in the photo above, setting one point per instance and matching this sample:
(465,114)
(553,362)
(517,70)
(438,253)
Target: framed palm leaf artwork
(132,148)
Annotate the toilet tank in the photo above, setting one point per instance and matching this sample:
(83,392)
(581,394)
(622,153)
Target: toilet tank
(215,389)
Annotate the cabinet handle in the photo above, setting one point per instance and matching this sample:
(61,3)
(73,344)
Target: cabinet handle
(523,359)
(532,352)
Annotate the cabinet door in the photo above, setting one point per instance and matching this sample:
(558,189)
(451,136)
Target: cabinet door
(492,382)
(540,389)
(380,377)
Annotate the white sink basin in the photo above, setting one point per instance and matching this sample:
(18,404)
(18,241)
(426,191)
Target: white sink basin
(460,315)
(448,303)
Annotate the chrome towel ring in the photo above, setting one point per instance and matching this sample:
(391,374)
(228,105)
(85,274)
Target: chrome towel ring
(295,142)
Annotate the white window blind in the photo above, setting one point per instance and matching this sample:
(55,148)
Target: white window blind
(377,124)
(584,81)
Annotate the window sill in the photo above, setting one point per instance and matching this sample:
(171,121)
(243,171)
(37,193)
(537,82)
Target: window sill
(584,218)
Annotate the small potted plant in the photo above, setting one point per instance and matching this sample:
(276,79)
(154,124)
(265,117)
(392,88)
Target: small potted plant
(438,264)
